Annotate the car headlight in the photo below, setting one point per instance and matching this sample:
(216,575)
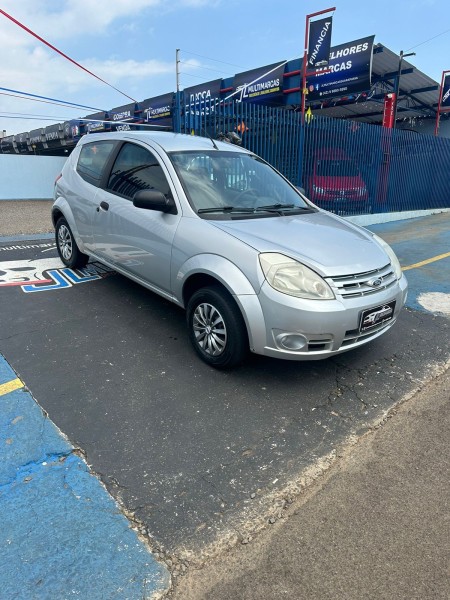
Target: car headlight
(291,277)
(318,190)
(394,260)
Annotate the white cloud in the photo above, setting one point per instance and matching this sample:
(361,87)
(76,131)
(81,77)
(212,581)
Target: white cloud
(71,18)
(28,65)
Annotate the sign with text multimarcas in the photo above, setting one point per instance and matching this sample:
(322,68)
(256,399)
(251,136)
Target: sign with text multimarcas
(158,110)
(350,69)
(260,85)
(319,42)
(445,103)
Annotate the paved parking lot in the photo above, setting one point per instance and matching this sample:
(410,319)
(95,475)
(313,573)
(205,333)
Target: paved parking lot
(195,454)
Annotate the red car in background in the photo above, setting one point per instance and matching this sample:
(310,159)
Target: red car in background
(336,183)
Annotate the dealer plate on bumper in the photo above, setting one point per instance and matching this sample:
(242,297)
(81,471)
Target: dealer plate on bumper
(375,316)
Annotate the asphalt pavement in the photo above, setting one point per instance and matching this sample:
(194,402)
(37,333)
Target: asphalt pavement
(377,527)
(201,460)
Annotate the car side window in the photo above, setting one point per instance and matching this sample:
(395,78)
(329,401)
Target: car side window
(92,160)
(134,169)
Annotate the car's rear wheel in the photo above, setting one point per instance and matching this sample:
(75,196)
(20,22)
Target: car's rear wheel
(67,248)
(216,328)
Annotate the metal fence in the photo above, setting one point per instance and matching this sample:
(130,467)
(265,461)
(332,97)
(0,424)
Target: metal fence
(346,167)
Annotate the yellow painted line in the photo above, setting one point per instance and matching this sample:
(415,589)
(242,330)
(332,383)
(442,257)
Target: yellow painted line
(10,386)
(426,262)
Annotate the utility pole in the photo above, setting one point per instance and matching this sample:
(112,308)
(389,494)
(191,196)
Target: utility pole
(177,120)
(397,82)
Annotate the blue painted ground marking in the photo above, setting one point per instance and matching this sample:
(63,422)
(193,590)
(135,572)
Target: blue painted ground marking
(416,240)
(59,280)
(61,535)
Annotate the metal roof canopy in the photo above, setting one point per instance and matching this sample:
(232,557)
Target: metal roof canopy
(418,93)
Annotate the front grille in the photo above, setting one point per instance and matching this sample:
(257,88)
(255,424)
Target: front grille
(354,286)
(354,336)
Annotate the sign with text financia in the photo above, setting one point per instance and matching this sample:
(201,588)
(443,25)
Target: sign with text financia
(319,42)
(445,104)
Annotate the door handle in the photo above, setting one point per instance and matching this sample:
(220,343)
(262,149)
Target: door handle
(104,205)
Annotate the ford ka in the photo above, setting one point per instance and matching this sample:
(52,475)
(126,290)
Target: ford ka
(215,229)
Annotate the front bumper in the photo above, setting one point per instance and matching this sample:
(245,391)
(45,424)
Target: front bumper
(318,329)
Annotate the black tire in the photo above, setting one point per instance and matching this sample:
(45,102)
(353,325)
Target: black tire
(216,328)
(67,248)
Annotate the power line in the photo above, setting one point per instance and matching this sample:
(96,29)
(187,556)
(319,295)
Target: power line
(429,40)
(206,68)
(52,99)
(215,60)
(20,115)
(24,118)
(38,37)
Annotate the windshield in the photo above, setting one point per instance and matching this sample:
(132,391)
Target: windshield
(233,182)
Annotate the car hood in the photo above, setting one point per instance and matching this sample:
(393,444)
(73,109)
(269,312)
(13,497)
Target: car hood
(325,242)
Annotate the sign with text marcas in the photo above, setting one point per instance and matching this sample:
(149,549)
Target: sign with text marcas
(350,70)
(319,42)
(260,85)
(445,103)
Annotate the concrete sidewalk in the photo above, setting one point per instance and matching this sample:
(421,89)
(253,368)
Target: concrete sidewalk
(20,217)
(376,527)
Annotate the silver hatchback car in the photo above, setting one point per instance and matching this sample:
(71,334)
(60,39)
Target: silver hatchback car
(218,231)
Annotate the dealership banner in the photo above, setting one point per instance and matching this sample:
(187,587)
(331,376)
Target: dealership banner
(158,110)
(259,85)
(319,42)
(123,113)
(350,69)
(98,124)
(445,103)
(202,98)
(53,136)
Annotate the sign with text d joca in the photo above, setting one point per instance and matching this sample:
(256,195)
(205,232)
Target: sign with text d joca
(319,42)
(445,103)
(202,99)
(349,71)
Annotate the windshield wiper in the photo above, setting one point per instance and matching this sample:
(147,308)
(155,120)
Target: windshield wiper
(280,208)
(275,207)
(225,209)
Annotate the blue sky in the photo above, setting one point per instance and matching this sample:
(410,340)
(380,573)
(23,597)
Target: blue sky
(132,43)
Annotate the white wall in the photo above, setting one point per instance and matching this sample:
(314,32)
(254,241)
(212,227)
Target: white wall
(28,177)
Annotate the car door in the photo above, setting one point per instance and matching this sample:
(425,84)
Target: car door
(135,240)
(83,185)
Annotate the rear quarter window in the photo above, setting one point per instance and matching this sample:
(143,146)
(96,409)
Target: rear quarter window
(92,160)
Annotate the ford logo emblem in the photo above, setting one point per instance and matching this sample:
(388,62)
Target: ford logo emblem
(375,282)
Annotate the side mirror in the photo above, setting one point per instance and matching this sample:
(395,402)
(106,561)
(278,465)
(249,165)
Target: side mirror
(154,200)
(301,190)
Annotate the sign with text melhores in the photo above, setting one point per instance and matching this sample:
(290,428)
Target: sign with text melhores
(349,71)
(319,42)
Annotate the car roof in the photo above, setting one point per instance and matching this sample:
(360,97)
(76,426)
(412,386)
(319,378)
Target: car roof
(168,141)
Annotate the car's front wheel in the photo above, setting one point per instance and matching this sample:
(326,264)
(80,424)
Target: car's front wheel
(216,328)
(67,247)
